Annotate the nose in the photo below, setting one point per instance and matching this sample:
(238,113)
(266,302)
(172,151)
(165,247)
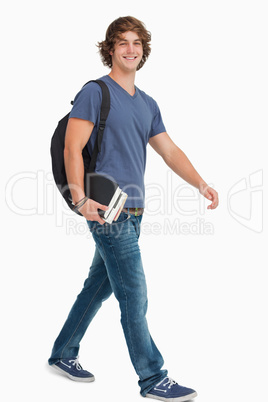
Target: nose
(130,48)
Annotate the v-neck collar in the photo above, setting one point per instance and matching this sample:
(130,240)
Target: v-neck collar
(122,89)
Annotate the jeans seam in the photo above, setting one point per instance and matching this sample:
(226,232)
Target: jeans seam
(137,229)
(123,286)
(103,249)
(91,301)
(128,327)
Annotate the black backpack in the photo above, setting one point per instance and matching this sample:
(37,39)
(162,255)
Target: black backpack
(58,143)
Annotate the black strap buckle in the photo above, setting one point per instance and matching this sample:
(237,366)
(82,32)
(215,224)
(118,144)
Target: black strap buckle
(102,125)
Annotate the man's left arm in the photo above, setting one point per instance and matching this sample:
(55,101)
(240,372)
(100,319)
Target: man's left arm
(176,159)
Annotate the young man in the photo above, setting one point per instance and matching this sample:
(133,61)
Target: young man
(133,121)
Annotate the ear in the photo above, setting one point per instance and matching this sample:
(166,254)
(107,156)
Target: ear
(111,53)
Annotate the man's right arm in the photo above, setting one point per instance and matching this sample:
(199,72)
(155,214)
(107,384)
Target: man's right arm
(78,133)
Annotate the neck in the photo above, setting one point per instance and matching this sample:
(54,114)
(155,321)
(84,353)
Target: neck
(125,80)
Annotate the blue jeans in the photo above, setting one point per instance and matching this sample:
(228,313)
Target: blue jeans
(116,267)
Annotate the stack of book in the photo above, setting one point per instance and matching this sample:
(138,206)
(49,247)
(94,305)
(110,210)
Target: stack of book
(107,192)
(115,207)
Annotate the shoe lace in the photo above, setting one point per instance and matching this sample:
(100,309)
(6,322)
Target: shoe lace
(169,382)
(76,363)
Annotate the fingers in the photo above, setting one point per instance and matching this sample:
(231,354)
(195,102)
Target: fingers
(90,211)
(213,195)
(102,207)
(98,219)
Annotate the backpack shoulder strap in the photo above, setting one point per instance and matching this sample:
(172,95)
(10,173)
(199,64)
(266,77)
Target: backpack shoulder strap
(105,104)
(104,112)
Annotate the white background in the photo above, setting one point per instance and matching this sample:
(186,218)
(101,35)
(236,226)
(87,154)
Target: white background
(207,291)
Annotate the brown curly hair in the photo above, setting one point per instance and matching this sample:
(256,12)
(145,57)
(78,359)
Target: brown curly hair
(115,31)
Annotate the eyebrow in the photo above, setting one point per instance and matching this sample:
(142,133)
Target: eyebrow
(125,40)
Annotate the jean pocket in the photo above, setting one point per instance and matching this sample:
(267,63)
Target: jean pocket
(93,225)
(123,217)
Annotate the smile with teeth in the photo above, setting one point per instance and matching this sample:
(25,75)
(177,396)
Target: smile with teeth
(130,58)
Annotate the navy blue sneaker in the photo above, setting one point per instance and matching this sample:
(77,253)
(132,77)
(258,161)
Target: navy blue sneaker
(73,370)
(170,391)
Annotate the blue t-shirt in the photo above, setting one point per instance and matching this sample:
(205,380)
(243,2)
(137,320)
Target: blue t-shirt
(132,121)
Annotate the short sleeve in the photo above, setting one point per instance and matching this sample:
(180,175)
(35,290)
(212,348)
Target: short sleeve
(87,103)
(157,124)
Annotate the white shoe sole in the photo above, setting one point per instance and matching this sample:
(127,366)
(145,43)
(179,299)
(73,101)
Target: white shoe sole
(179,399)
(73,378)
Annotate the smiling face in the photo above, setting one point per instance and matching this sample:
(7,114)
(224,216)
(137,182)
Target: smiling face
(127,53)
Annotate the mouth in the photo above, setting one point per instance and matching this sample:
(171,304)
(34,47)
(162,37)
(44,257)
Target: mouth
(130,58)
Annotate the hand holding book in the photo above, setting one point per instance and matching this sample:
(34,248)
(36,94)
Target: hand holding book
(90,210)
(105,199)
